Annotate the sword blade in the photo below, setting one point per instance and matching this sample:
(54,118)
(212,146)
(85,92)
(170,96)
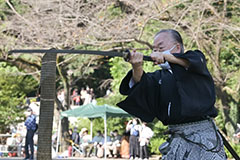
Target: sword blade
(93,52)
(125,54)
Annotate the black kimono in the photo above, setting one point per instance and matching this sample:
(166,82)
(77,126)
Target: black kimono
(175,96)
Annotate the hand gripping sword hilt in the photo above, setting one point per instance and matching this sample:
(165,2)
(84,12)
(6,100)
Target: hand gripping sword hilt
(126,56)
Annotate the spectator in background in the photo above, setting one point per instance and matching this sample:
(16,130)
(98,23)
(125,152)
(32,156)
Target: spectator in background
(146,134)
(31,126)
(96,142)
(87,97)
(28,102)
(85,140)
(61,96)
(38,97)
(75,139)
(116,143)
(93,97)
(124,151)
(83,93)
(101,147)
(69,139)
(91,92)
(77,100)
(74,94)
(88,89)
(19,142)
(134,129)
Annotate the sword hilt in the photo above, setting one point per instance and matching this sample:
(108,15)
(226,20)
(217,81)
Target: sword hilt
(126,56)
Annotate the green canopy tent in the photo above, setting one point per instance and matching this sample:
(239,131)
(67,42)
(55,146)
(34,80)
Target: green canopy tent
(93,111)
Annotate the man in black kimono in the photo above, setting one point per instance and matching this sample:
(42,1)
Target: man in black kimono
(181,95)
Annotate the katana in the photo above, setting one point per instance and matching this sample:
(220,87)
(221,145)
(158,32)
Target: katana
(124,54)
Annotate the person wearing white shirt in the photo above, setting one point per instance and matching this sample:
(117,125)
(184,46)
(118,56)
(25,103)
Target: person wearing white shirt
(146,134)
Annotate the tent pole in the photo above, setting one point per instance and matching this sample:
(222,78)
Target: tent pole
(105,139)
(58,136)
(91,128)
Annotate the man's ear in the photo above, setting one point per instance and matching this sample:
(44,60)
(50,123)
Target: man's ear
(178,48)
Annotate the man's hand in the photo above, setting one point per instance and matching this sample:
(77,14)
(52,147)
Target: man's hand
(159,58)
(136,59)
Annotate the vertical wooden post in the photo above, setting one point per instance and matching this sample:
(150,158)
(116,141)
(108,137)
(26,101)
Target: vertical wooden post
(47,83)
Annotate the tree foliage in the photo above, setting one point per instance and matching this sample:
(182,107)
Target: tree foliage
(13,89)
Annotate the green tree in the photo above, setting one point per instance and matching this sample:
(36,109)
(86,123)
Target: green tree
(13,89)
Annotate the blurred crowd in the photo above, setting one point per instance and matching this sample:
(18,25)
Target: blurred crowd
(82,97)
(133,143)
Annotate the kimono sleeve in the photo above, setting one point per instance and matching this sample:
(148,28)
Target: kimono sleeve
(143,98)
(197,61)
(195,86)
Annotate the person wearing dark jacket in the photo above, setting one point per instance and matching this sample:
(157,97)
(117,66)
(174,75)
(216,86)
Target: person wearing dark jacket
(31,126)
(75,139)
(181,95)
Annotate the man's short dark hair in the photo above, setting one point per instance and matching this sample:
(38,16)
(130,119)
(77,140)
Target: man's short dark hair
(175,35)
(115,131)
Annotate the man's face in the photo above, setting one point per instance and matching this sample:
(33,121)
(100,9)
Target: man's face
(164,41)
(115,133)
(134,121)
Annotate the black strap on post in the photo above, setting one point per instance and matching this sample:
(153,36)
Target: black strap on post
(229,147)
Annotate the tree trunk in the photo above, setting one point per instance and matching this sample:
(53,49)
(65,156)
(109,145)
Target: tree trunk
(47,83)
(64,107)
(64,121)
(226,107)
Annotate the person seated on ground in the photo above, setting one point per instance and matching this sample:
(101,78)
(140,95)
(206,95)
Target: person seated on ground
(85,140)
(101,146)
(19,143)
(114,149)
(124,151)
(95,142)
